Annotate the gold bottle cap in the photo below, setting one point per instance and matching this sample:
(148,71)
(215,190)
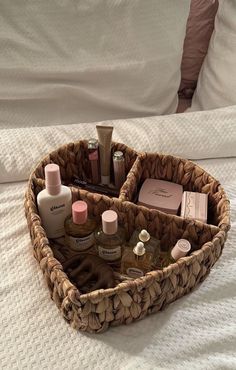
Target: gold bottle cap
(144,236)
(139,249)
(118,155)
(92,143)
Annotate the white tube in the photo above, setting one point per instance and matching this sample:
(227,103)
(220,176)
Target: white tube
(104,140)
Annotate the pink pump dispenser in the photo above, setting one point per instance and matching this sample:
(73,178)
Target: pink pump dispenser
(52,179)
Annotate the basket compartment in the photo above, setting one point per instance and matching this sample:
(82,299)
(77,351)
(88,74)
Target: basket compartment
(73,161)
(183,172)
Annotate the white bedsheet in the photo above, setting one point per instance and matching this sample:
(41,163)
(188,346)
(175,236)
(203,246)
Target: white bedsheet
(196,332)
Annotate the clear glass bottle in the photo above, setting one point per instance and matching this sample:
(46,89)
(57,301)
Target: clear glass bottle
(119,169)
(151,244)
(181,248)
(79,229)
(93,154)
(136,262)
(110,238)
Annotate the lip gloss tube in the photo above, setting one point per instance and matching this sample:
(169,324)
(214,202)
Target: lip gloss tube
(93,155)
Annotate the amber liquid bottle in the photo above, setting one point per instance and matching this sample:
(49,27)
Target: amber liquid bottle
(79,229)
(110,238)
(136,262)
(151,244)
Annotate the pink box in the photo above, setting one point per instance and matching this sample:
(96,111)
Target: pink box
(194,205)
(162,195)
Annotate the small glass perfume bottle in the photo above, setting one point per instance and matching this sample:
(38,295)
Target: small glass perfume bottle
(181,248)
(79,229)
(119,169)
(136,262)
(110,238)
(151,244)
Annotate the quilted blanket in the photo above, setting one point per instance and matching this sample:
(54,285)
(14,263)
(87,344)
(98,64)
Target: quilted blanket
(196,332)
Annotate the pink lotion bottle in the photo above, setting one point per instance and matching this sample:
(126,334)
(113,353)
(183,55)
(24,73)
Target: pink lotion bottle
(54,202)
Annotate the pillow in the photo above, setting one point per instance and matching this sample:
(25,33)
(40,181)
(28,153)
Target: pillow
(217,80)
(80,61)
(200,25)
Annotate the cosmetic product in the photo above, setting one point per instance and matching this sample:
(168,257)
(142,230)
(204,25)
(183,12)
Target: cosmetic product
(151,244)
(95,188)
(110,238)
(54,202)
(162,195)
(89,272)
(194,205)
(79,229)
(181,248)
(93,154)
(136,261)
(104,140)
(119,169)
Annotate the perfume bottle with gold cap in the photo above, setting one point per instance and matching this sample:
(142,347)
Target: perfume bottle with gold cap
(181,248)
(136,261)
(151,244)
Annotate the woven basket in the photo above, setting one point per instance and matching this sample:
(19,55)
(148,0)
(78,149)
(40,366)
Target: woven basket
(131,299)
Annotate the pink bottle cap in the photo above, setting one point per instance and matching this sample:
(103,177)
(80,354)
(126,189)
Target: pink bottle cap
(79,212)
(181,248)
(52,178)
(109,222)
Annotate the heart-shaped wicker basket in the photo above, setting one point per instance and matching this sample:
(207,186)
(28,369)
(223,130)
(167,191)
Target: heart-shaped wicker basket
(131,299)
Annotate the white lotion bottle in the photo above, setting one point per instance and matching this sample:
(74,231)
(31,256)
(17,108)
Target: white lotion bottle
(54,202)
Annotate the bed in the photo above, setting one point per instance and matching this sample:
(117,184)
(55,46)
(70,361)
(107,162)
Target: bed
(197,331)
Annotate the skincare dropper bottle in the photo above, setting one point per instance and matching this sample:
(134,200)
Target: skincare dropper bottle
(54,202)
(151,244)
(110,238)
(79,229)
(181,248)
(136,262)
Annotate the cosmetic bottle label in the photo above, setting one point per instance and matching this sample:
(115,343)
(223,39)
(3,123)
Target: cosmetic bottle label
(109,254)
(134,272)
(80,244)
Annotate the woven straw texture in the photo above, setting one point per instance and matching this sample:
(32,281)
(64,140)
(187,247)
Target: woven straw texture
(131,299)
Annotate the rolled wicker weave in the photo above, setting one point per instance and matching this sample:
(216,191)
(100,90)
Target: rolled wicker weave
(131,299)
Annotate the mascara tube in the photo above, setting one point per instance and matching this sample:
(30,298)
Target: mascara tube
(95,188)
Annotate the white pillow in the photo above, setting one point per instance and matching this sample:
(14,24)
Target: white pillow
(217,80)
(80,61)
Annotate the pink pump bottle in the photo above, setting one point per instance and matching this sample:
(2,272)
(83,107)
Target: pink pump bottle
(54,202)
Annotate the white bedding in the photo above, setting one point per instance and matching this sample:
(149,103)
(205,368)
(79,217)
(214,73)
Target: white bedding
(196,332)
